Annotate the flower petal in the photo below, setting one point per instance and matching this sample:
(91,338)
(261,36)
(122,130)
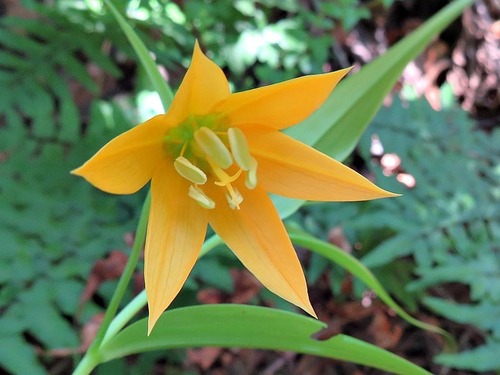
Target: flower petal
(126,163)
(257,236)
(283,104)
(176,230)
(292,169)
(202,87)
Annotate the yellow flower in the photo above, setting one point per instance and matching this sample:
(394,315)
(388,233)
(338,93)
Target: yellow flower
(212,159)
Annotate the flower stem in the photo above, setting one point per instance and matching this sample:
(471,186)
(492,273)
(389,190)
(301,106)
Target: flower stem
(124,316)
(91,358)
(134,306)
(359,270)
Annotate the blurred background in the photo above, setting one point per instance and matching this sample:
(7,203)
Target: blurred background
(69,82)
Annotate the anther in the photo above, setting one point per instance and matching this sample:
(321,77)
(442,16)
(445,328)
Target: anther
(239,148)
(189,171)
(251,177)
(213,147)
(200,197)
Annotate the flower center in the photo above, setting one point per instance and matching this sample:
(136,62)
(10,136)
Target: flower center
(206,150)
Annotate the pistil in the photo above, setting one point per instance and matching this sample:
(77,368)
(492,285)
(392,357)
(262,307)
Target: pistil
(233,196)
(203,148)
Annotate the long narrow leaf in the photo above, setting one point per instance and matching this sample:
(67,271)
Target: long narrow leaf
(360,271)
(159,83)
(249,327)
(337,126)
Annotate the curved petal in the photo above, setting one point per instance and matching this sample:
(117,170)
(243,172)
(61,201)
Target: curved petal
(283,104)
(202,87)
(126,163)
(176,230)
(292,169)
(257,236)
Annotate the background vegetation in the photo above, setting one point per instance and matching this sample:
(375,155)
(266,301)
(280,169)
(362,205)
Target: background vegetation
(69,82)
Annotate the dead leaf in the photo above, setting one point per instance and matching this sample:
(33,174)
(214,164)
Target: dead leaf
(110,268)
(385,334)
(336,237)
(89,331)
(246,286)
(204,358)
(211,296)
(87,335)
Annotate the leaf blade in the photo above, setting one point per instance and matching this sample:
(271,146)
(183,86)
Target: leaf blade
(249,327)
(356,99)
(147,62)
(359,270)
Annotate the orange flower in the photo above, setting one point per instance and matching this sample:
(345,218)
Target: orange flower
(212,159)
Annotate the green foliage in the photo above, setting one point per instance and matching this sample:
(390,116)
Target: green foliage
(261,38)
(53,230)
(449,223)
(348,11)
(456,168)
(339,123)
(359,270)
(483,358)
(444,230)
(483,314)
(273,37)
(34,74)
(260,41)
(266,39)
(264,328)
(53,227)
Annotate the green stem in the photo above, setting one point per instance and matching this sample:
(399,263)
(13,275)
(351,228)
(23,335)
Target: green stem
(209,244)
(92,357)
(124,316)
(134,306)
(354,266)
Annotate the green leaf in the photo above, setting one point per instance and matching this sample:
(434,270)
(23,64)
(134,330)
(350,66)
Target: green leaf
(19,42)
(69,121)
(77,69)
(391,249)
(341,121)
(485,315)
(481,359)
(18,357)
(337,126)
(33,26)
(147,62)
(249,327)
(358,269)
(14,132)
(45,321)
(102,60)
(8,60)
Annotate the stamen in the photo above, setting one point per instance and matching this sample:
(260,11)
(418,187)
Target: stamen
(251,177)
(239,148)
(183,150)
(200,197)
(189,171)
(213,147)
